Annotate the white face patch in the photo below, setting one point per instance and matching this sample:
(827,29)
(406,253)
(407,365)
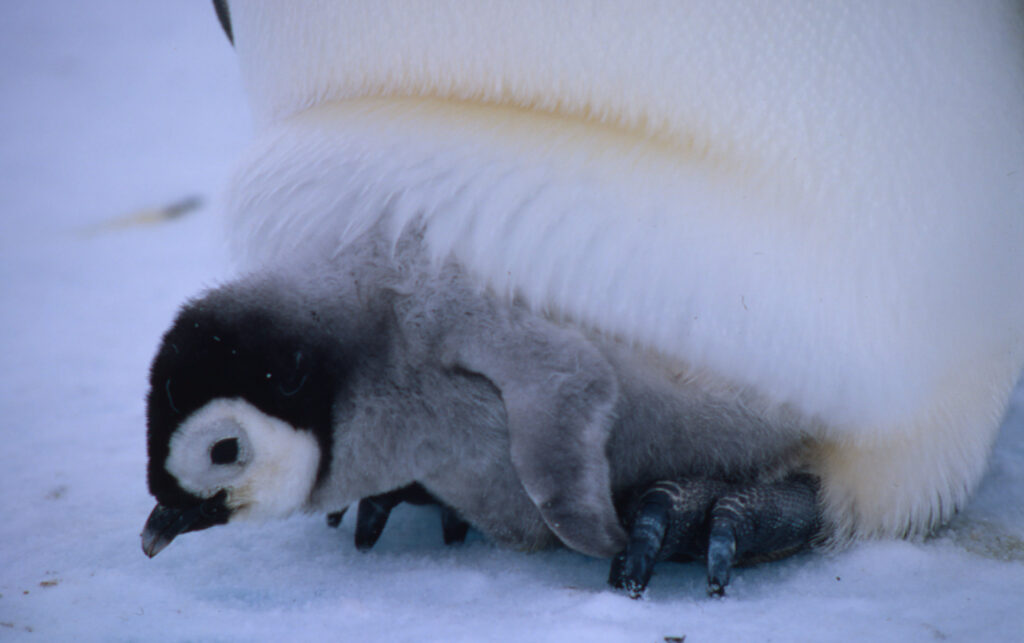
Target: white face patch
(267,466)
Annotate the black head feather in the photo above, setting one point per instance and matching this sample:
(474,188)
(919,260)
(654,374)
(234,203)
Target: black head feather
(287,365)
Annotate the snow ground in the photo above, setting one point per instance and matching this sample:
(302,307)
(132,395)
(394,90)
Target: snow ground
(111,107)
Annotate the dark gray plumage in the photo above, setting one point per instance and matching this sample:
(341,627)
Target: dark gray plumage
(403,371)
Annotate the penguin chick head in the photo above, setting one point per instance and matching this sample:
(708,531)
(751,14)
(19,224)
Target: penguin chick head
(235,462)
(239,411)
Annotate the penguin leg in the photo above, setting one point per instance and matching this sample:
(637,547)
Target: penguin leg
(373,513)
(726,524)
(453,527)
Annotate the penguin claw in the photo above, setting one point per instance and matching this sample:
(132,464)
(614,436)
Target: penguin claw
(721,557)
(725,524)
(630,578)
(632,568)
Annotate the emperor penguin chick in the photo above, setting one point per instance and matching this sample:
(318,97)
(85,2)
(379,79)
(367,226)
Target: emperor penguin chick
(308,389)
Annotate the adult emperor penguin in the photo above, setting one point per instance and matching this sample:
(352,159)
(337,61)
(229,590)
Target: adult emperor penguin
(731,246)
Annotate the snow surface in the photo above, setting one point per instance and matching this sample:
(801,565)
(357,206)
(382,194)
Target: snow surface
(109,108)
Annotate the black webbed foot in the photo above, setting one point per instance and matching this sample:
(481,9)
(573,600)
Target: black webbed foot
(373,512)
(726,524)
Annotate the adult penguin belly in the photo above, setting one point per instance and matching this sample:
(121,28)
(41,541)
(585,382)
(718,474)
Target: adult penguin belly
(818,204)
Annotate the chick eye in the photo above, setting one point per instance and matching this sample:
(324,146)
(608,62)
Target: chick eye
(224,451)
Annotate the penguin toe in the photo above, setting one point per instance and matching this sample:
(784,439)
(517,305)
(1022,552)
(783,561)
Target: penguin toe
(726,524)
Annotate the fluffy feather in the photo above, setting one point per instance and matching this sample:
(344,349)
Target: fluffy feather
(280,461)
(530,430)
(819,204)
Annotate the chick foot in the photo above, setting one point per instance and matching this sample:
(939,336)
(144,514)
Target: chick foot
(373,513)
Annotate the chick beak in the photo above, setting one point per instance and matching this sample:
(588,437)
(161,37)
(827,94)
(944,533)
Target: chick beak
(165,523)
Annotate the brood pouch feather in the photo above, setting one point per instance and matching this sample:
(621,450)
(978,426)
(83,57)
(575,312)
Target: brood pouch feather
(817,207)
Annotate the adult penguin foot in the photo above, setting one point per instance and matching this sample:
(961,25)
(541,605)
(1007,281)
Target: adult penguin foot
(726,524)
